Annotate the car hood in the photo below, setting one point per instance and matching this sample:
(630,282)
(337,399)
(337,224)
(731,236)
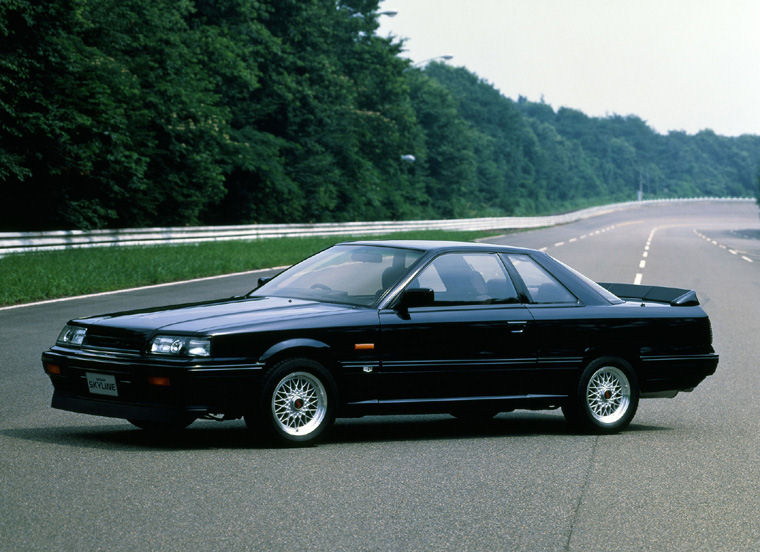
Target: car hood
(216,316)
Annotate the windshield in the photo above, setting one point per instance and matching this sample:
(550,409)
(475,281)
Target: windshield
(352,274)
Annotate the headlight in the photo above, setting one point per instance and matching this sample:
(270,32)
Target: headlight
(71,335)
(178,345)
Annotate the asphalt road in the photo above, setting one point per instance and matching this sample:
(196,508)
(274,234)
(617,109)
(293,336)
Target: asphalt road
(684,476)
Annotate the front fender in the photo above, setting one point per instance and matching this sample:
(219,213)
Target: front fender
(300,343)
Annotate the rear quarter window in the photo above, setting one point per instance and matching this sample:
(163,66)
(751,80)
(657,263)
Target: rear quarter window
(542,287)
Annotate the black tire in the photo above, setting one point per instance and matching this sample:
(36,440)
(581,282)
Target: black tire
(606,397)
(297,403)
(154,426)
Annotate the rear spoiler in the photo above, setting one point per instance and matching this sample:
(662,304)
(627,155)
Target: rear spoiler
(673,296)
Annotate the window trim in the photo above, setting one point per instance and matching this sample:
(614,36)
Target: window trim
(457,305)
(524,288)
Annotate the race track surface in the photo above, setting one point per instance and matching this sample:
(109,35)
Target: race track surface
(684,476)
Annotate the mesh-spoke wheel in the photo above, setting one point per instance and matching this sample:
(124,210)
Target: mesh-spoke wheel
(608,394)
(299,403)
(606,398)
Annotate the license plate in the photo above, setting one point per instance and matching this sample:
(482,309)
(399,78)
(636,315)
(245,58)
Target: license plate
(102,384)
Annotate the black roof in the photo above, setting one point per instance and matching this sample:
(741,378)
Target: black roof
(438,245)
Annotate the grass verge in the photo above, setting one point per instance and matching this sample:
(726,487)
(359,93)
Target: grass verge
(32,277)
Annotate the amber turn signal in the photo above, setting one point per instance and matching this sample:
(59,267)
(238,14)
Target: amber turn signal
(53,369)
(364,346)
(161,381)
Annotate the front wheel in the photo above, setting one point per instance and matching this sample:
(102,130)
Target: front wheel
(297,403)
(606,397)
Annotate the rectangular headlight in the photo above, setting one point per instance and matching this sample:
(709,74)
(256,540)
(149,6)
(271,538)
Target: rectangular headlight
(180,346)
(71,335)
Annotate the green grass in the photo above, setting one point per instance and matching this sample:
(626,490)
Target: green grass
(32,277)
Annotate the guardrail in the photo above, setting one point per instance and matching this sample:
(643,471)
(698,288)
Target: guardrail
(20,242)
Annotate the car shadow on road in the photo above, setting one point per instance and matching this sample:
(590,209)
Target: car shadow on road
(234,435)
(405,428)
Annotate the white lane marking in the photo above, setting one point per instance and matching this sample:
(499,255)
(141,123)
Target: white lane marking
(154,286)
(644,255)
(559,244)
(583,237)
(573,240)
(722,246)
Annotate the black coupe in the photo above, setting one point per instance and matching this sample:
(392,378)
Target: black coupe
(381,327)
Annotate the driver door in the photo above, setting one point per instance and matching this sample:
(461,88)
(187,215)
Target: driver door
(474,342)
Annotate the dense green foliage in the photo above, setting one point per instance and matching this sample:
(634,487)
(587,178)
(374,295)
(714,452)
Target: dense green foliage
(122,113)
(50,274)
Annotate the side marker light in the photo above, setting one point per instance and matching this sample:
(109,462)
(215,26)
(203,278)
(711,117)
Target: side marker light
(53,369)
(364,346)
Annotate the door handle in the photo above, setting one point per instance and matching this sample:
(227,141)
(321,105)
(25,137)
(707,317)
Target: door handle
(517,326)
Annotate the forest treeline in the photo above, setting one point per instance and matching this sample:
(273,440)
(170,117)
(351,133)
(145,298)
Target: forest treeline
(128,113)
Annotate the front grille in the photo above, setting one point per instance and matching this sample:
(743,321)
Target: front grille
(116,340)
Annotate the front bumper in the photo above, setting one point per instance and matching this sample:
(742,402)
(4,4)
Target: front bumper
(189,388)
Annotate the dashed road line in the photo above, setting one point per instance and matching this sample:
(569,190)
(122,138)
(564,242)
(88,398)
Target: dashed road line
(723,246)
(643,263)
(582,237)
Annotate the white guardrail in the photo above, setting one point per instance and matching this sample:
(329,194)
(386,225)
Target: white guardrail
(21,242)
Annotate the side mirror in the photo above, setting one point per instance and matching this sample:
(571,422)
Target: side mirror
(416,297)
(263,281)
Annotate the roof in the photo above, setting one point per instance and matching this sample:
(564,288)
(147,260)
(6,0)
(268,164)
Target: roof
(433,245)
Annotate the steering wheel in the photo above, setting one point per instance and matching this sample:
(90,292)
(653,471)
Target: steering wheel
(321,286)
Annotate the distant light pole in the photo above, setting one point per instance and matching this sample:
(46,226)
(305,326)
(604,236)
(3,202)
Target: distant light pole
(378,14)
(445,57)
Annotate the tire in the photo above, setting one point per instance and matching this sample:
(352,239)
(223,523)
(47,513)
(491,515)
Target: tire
(606,398)
(154,426)
(297,403)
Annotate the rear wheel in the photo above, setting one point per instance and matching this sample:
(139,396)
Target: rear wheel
(297,404)
(606,398)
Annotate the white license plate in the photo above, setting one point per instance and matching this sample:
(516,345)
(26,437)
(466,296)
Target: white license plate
(102,384)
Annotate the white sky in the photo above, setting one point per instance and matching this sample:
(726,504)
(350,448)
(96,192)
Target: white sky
(677,64)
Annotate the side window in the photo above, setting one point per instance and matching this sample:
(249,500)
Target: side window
(476,278)
(542,286)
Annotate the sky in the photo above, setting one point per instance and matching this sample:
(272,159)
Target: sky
(677,64)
